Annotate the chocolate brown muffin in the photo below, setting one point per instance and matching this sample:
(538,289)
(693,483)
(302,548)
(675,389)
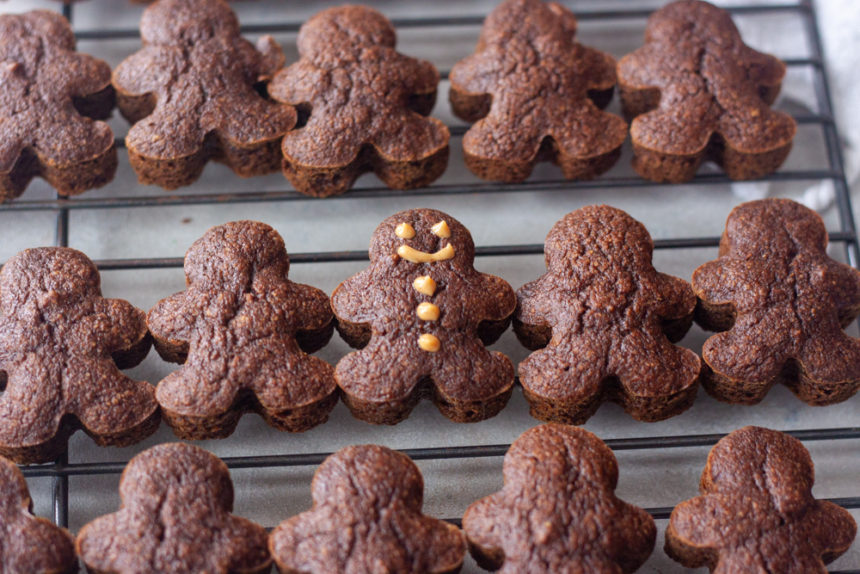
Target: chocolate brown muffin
(366,517)
(695,91)
(175,518)
(422,314)
(363,106)
(191,93)
(61,348)
(49,97)
(239,330)
(558,511)
(29,544)
(781,304)
(757,512)
(605,321)
(535,95)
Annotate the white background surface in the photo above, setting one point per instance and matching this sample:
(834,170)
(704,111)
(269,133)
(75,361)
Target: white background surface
(650,478)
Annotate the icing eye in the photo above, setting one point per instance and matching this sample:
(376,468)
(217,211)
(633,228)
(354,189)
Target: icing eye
(404,231)
(441,229)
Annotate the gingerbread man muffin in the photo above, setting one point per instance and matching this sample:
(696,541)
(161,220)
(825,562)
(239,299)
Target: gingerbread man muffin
(781,304)
(364,106)
(605,320)
(536,94)
(558,511)
(61,349)
(695,91)
(29,545)
(757,513)
(50,96)
(191,93)
(367,517)
(241,330)
(423,314)
(175,518)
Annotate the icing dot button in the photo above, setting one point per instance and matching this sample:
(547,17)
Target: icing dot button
(441,229)
(427,312)
(425,285)
(404,231)
(429,343)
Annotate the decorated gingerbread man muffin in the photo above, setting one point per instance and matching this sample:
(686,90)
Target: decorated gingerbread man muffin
(423,315)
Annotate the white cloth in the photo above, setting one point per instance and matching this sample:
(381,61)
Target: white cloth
(839,21)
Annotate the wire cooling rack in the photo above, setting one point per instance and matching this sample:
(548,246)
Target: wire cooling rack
(842,234)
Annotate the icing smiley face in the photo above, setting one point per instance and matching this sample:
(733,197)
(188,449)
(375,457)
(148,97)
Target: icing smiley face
(422,236)
(440,229)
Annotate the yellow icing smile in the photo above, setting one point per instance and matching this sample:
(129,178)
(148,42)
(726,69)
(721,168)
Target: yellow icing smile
(414,256)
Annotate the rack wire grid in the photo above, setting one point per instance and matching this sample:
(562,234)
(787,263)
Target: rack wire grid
(653,458)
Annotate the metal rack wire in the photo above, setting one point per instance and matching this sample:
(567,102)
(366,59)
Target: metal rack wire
(60,471)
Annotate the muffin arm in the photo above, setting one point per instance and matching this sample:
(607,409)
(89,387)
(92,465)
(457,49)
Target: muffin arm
(118,323)
(5,353)
(690,540)
(420,76)
(675,297)
(482,523)
(638,534)
(535,303)
(354,299)
(765,71)
(134,76)
(843,282)
(720,281)
(476,74)
(271,58)
(315,310)
(599,69)
(84,75)
(171,323)
(500,301)
(301,83)
(637,70)
(837,532)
